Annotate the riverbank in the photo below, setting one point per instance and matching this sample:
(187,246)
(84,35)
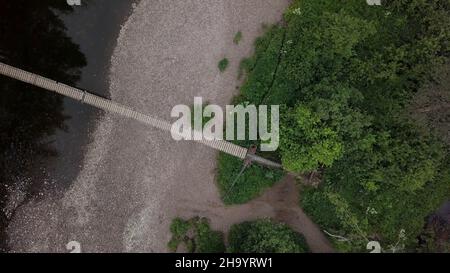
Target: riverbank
(134,180)
(95,29)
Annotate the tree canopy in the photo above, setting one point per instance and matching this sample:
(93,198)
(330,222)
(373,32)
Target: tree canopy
(265,236)
(343,72)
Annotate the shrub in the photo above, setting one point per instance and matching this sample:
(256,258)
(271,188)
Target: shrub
(204,239)
(207,240)
(237,37)
(252,182)
(265,236)
(179,227)
(223,64)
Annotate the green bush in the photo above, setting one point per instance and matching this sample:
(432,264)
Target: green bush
(223,64)
(265,236)
(204,239)
(207,240)
(254,180)
(179,227)
(261,236)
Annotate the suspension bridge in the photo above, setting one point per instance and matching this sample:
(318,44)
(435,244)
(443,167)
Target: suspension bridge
(248,155)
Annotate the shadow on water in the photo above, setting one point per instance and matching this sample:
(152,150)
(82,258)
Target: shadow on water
(42,135)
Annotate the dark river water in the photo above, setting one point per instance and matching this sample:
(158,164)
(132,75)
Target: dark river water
(94,26)
(95,29)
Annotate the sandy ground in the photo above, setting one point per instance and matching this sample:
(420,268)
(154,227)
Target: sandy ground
(136,179)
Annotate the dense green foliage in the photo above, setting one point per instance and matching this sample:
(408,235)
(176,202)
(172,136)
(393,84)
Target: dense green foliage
(202,240)
(265,236)
(343,72)
(236,189)
(179,227)
(207,241)
(392,173)
(261,236)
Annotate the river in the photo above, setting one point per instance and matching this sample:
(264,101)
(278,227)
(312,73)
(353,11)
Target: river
(94,26)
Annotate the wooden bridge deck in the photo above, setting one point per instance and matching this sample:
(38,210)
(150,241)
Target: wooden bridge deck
(110,106)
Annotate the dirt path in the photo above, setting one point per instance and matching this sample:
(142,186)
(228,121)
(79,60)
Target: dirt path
(279,203)
(284,198)
(135,180)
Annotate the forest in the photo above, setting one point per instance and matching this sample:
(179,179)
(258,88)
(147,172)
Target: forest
(344,74)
